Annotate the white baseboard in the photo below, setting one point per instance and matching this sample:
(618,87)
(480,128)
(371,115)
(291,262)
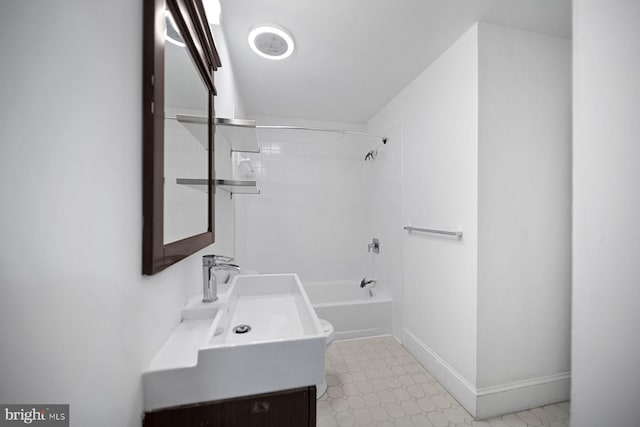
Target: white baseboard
(452,380)
(361,333)
(489,401)
(522,395)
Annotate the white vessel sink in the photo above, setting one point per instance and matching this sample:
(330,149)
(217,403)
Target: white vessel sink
(205,359)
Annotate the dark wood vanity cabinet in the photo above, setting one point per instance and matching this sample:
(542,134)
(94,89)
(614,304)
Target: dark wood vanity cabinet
(289,408)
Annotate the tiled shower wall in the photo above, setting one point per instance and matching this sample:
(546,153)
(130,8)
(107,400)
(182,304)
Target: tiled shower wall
(310,217)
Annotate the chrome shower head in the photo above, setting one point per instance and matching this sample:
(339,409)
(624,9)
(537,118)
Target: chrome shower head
(371,155)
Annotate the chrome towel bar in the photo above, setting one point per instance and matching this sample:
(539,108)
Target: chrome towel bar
(457,234)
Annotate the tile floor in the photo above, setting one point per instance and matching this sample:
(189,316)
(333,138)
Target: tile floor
(376,382)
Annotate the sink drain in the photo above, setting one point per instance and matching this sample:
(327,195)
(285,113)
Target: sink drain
(242,329)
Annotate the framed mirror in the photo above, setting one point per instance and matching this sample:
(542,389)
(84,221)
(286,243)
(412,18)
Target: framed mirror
(179,61)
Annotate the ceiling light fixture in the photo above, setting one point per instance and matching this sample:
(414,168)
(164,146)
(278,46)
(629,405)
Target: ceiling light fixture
(271,41)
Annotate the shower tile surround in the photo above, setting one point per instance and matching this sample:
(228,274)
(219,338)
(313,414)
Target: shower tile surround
(311,205)
(376,382)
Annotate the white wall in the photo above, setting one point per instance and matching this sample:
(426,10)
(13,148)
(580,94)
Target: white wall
(311,215)
(384,211)
(524,206)
(524,220)
(437,113)
(78,321)
(229,103)
(606,232)
(485,136)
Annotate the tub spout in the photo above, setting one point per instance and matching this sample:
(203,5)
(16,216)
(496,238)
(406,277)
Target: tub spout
(364,282)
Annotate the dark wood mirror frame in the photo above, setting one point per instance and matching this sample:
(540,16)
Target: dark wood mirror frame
(191,20)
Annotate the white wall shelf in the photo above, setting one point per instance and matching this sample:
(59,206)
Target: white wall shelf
(239,133)
(232,186)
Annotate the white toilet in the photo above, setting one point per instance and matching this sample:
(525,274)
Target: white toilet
(327,330)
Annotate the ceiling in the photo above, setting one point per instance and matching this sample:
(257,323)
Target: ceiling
(353,56)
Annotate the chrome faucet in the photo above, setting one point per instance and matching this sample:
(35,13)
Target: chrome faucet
(210,264)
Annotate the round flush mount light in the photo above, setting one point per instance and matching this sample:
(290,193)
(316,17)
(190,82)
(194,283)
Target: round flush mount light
(271,41)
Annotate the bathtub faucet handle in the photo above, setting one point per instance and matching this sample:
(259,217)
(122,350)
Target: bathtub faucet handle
(364,282)
(374,246)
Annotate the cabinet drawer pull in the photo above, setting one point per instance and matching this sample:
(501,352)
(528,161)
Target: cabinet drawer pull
(260,407)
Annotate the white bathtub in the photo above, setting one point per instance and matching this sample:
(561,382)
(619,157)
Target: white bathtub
(351,310)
